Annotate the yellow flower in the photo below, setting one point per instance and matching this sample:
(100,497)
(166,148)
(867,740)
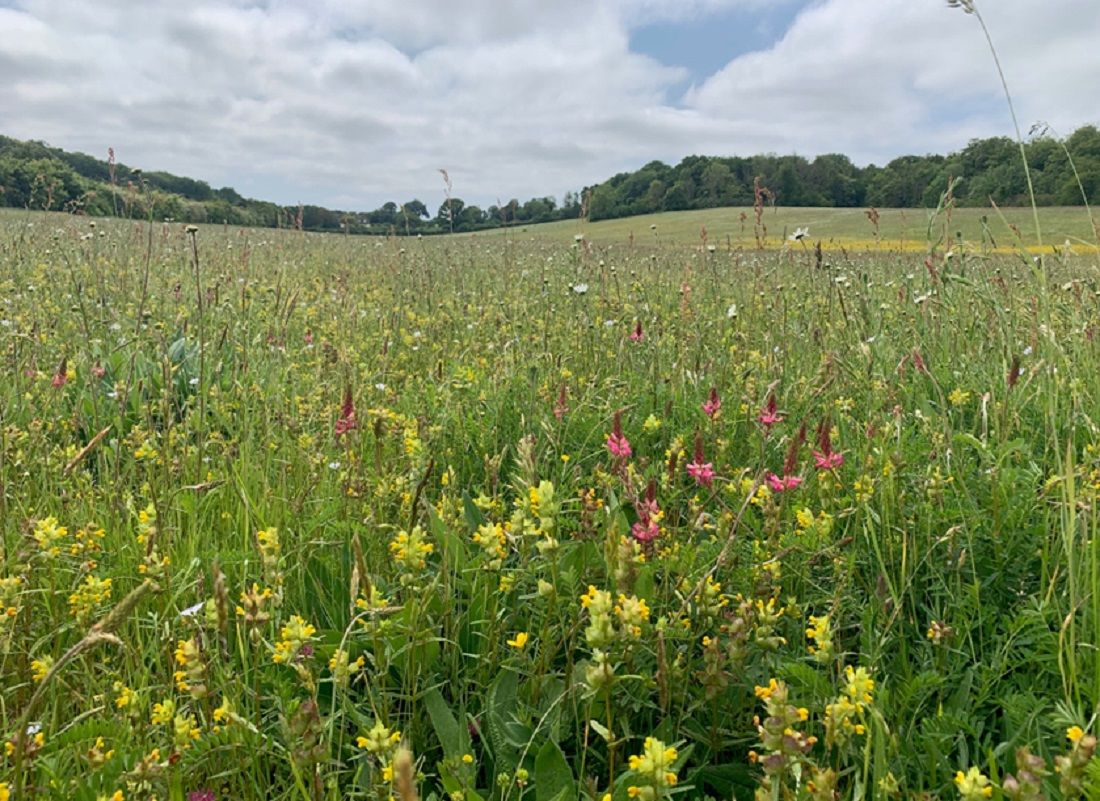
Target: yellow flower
(191,675)
(410,549)
(764,693)
(296,633)
(40,667)
(184,730)
(973,785)
(49,534)
(5,793)
(654,766)
(519,641)
(379,741)
(1074,733)
(633,612)
(88,595)
(164,712)
(343,666)
(124,696)
(958,397)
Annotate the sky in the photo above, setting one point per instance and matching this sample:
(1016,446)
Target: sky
(351,103)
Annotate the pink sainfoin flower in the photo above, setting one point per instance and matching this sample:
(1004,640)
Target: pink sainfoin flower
(825,458)
(918,362)
(346,421)
(637,335)
(561,406)
(712,404)
(98,370)
(647,528)
(783,483)
(309,336)
(768,415)
(617,443)
(702,472)
(61,377)
(789,480)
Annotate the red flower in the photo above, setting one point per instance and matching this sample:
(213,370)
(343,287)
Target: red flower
(637,335)
(789,480)
(783,483)
(768,415)
(61,377)
(346,421)
(647,529)
(712,404)
(561,407)
(825,458)
(702,472)
(617,443)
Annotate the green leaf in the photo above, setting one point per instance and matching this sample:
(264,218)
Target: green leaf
(452,546)
(553,777)
(501,711)
(725,781)
(452,736)
(600,729)
(473,515)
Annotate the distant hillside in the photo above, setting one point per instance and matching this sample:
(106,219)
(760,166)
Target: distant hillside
(36,176)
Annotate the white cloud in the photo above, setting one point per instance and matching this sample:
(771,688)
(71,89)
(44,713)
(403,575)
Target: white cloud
(354,103)
(878,79)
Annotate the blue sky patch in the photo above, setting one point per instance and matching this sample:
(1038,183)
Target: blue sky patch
(706,43)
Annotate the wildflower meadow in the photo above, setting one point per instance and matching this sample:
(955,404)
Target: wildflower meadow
(509,517)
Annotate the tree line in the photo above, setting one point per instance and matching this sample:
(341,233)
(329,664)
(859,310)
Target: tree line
(34,175)
(985,170)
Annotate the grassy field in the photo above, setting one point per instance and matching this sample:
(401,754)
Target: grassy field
(898,229)
(309,517)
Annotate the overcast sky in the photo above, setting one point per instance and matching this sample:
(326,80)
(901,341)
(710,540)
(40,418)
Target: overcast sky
(349,103)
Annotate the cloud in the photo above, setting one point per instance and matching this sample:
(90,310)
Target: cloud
(879,79)
(355,103)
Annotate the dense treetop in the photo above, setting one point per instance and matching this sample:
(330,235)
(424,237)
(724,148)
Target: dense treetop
(1065,172)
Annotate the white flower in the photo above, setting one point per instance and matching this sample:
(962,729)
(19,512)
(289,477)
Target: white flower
(799,234)
(380,386)
(580,289)
(333,465)
(731,312)
(578,237)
